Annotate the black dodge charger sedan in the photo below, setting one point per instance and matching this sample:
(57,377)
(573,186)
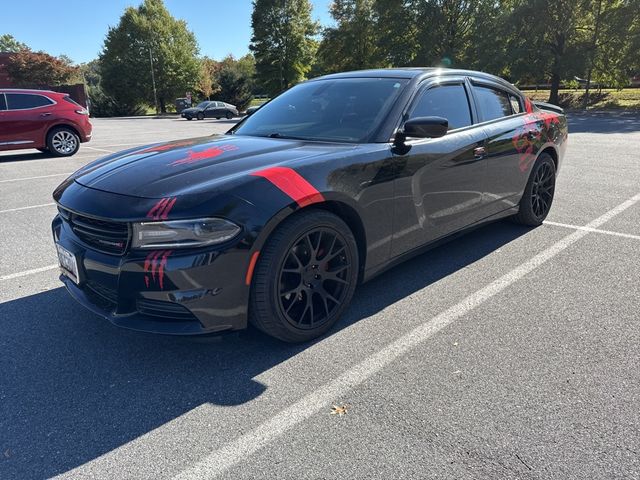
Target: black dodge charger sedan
(326,186)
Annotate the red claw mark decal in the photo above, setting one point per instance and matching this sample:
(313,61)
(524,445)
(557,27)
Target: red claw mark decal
(167,146)
(536,126)
(211,152)
(160,211)
(292,184)
(154,266)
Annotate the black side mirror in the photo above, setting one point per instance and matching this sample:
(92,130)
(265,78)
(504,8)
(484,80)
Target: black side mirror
(426,127)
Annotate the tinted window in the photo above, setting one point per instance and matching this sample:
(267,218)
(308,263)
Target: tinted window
(493,103)
(515,104)
(3,102)
(72,101)
(447,101)
(19,101)
(340,109)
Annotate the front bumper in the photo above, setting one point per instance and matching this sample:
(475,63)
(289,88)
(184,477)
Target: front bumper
(170,292)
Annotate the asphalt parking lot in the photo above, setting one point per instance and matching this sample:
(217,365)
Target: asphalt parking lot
(508,353)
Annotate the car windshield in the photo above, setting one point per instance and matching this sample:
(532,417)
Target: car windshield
(343,110)
(202,105)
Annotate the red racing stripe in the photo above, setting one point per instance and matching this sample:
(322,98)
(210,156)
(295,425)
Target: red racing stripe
(292,184)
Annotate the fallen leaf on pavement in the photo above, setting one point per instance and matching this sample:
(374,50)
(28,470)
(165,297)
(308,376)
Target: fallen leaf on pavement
(339,410)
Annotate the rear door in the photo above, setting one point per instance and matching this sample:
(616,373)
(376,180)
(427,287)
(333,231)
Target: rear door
(440,183)
(502,115)
(26,118)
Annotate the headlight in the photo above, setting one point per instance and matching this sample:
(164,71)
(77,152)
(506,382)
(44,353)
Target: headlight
(183,233)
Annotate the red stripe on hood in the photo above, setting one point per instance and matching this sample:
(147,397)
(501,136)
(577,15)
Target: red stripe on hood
(292,184)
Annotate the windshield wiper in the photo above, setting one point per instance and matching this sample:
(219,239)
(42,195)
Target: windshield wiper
(286,137)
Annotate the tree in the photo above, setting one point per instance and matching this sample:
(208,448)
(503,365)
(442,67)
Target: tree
(235,78)
(207,83)
(396,27)
(38,69)
(148,45)
(352,43)
(8,44)
(282,42)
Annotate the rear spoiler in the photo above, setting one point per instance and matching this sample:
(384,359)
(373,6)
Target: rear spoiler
(549,106)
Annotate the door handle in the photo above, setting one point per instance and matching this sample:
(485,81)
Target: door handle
(479,152)
(45,114)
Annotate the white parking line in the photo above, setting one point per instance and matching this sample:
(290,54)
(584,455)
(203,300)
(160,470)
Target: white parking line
(99,149)
(35,178)
(594,230)
(27,272)
(26,208)
(240,449)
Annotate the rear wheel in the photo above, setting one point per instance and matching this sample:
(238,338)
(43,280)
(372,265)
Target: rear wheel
(63,142)
(305,277)
(538,193)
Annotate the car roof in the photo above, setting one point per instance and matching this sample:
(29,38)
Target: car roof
(414,72)
(30,90)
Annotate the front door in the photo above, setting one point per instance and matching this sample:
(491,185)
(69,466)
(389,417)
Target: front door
(440,184)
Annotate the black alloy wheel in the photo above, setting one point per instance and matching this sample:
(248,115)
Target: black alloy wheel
(314,277)
(305,277)
(538,194)
(542,191)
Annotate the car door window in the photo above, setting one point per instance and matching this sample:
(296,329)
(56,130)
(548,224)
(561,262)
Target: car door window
(3,102)
(493,103)
(23,101)
(447,101)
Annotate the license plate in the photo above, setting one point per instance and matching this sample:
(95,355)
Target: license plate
(68,263)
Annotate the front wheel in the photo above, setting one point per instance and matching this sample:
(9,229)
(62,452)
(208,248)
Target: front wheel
(538,193)
(200,116)
(189,118)
(229,115)
(305,277)
(63,142)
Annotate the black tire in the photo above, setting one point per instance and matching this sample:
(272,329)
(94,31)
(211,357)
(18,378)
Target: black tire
(538,194)
(62,142)
(218,118)
(200,116)
(229,115)
(300,289)
(189,118)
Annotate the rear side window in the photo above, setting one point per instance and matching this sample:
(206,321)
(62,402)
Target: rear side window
(71,101)
(3,102)
(20,101)
(516,107)
(447,101)
(493,103)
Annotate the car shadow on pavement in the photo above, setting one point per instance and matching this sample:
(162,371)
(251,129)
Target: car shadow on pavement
(604,122)
(19,157)
(74,387)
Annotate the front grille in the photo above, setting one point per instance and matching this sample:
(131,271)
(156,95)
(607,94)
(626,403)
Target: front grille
(104,235)
(166,310)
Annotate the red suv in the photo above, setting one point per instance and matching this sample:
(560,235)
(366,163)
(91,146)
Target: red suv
(49,121)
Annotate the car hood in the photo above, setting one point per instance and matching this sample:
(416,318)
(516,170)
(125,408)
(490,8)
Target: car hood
(195,165)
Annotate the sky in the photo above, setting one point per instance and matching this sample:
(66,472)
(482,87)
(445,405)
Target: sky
(77,28)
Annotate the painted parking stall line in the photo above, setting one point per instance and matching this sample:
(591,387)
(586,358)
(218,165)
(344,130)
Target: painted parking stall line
(27,208)
(28,272)
(241,448)
(593,230)
(36,178)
